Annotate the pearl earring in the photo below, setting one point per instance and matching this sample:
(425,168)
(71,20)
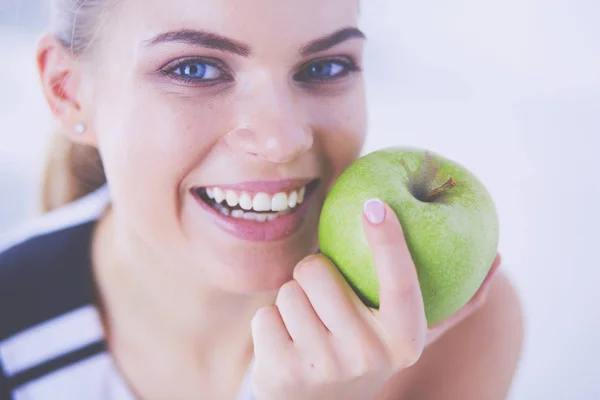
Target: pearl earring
(79,128)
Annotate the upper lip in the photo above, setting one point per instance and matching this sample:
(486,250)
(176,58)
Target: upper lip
(274,186)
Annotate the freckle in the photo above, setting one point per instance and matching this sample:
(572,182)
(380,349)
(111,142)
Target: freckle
(312,366)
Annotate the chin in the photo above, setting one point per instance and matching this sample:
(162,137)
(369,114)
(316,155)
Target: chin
(257,267)
(264,268)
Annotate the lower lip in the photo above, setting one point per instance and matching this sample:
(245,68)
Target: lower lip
(277,229)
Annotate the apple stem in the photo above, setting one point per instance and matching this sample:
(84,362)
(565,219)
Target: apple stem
(435,192)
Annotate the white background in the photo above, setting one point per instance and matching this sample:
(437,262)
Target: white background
(510,89)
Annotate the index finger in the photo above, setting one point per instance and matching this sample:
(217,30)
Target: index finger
(401,309)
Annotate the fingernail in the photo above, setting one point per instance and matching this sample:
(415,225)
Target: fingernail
(374,211)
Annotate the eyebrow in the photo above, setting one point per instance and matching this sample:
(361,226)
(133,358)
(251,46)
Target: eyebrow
(204,39)
(218,42)
(332,40)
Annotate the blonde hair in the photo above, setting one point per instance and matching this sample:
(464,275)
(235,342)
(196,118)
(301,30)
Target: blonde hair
(72,170)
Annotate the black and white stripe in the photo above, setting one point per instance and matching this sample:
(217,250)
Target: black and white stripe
(51,338)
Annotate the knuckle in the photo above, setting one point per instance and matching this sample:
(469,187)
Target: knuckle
(368,356)
(411,353)
(374,358)
(309,267)
(267,311)
(368,361)
(263,314)
(288,290)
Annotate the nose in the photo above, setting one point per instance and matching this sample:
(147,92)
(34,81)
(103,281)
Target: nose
(270,125)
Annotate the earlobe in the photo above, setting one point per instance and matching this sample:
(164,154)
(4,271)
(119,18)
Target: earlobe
(80,128)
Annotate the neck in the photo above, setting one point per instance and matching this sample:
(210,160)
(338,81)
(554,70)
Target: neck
(152,304)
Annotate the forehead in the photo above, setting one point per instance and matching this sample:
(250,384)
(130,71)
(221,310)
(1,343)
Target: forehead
(252,21)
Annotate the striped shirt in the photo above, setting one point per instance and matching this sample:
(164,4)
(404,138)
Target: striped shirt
(52,344)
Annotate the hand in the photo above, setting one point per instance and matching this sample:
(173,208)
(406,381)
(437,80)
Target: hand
(319,341)
(474,304)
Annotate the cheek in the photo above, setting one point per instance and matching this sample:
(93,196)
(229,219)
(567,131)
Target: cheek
(342,134)
(149,143)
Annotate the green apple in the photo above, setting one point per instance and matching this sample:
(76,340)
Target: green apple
(449,221)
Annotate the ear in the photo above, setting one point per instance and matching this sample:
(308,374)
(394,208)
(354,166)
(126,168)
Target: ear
(62,80)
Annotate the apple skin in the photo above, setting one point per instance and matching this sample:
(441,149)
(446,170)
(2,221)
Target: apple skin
(452,239)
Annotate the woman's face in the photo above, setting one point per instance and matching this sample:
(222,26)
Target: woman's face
(255,104)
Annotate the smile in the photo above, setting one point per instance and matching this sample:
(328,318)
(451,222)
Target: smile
(258,210)
(259,207)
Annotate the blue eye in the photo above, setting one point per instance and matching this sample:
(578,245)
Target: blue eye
(326,70)
(195,70)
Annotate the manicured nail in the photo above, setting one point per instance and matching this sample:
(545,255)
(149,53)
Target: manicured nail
(374,211)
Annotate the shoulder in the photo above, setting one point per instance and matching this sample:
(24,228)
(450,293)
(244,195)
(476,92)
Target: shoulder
(478,358)
(44,267)
(48,320)
(42,277)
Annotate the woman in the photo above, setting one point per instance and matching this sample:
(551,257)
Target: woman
(184,264)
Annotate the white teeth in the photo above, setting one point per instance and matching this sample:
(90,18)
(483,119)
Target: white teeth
(222,209)
(232,198)
(261,202)
(254,216)
(279,202)
(245,201)
(301,194)
(237,214)
(293,199)
(218,194)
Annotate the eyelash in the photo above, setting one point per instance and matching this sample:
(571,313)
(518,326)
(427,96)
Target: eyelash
(348,63)
(169,71)
(349,66)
